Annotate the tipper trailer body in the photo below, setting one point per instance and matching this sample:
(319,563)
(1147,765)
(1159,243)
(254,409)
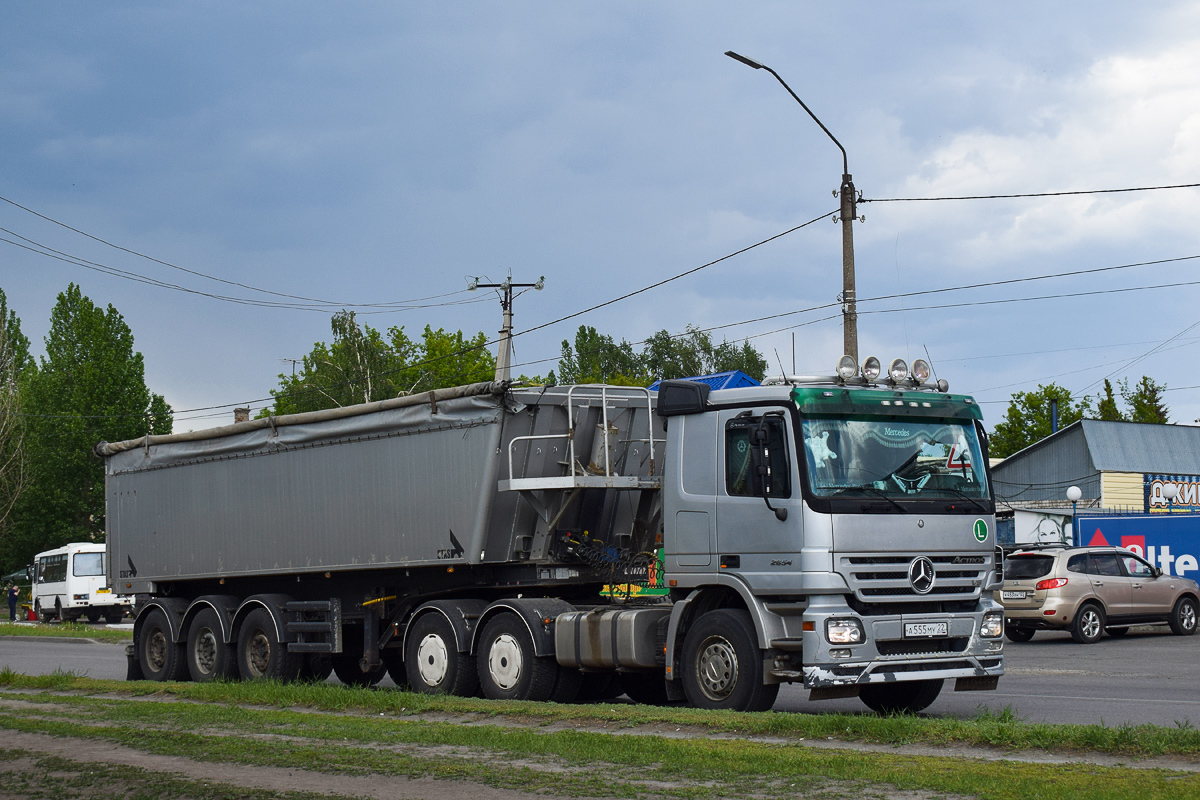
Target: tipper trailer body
(536,543)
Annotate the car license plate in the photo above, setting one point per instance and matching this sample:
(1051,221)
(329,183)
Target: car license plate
(925,629)
(1012,595)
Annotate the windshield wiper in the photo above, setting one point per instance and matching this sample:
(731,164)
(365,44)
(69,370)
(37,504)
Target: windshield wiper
(974,501)
(872,490)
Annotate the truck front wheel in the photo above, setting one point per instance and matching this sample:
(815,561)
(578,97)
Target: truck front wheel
(260,654)
(208,657)
(432,661)
(902,697)
(722,665)
(160,658)
(508,668)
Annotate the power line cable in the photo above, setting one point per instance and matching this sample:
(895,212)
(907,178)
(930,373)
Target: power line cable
(1027,194)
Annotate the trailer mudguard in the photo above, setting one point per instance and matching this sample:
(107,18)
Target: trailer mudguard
(538,614)
(173,607)
(274,604)
(224,605)
(461,614)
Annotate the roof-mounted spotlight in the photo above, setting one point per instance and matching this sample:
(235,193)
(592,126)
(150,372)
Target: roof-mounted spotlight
(846,368)
(920,370)
(871,368)
(898,370)
(943,385)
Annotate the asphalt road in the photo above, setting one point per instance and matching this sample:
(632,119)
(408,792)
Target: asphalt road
(1142,678)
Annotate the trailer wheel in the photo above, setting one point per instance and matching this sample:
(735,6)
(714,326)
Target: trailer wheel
(393,659)
(160,658)
(508,668)
(722,665)
(902,697)
(260,654)
(208,657)
(432,660)
(315,667)
(348,672)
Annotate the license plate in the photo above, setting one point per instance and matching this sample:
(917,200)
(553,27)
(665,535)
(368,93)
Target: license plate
(1012,595)
(925,629)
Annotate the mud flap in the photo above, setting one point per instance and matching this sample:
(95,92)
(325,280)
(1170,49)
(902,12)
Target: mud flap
(133,671)
(977,683)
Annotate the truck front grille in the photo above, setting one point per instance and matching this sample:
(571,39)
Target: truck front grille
(907,647)
(880,577)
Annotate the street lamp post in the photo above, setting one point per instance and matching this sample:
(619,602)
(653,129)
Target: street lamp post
(848,213)
(1073,494)
(504,351)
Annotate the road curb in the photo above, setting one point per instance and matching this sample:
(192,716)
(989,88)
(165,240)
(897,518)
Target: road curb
(64,639)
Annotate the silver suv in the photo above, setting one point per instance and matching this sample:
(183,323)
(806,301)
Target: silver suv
(1090,591)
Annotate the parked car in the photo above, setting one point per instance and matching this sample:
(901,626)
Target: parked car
(1090,591)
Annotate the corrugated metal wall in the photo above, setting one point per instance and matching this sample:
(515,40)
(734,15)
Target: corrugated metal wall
(1044,472)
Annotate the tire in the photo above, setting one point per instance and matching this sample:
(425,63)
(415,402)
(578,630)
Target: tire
(93,614)
(43,616)
(645,688)
(508,668)
(1183,617)
(209,658)
(348,671)
(903,697)
(393,659)
(1116,633)
(722,665)
(432,661)
(160,658)
(1089,624)
(315,667)
(566,685)
(260,654)
(113,616)
(1017,634)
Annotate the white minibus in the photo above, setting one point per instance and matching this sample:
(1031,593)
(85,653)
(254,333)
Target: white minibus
(69,583)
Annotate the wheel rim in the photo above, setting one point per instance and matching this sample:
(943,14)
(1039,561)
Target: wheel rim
(505,661)
(206,652)
(433,662)
(1187,616)
(258,654)
(717,668)
(156,650)
(1091,624)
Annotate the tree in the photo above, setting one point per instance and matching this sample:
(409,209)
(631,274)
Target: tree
(1027,419)
(1107,409)
(14,361)
(1145,401)
(598,358)
(361,366)
(90,386)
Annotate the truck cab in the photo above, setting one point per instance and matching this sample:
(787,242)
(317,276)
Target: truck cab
(852,518)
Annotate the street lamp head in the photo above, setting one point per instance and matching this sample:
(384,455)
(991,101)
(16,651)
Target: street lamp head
(1170,491)
(749,62)
(1074,493)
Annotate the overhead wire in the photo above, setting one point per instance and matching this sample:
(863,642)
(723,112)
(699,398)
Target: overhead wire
(1027,194)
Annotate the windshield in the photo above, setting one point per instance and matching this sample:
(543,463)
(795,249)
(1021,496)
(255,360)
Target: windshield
(89,564)
(906,459)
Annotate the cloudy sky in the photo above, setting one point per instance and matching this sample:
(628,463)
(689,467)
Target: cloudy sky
(373,153)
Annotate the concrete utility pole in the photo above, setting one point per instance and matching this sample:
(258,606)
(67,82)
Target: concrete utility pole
(504,351)
(847,215)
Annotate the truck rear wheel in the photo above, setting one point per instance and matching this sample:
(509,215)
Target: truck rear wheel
(114,615)
(902,697)
(350,673)
(208,657)
(260,654)
(508,667)
(315,667)
(722,665)
(432,661)
(160,658)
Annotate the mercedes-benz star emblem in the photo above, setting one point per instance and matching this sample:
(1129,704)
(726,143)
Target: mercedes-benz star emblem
(920,575)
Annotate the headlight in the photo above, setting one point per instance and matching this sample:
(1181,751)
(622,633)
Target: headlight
(870,368)
(843,631)
(993,624)
(846,368)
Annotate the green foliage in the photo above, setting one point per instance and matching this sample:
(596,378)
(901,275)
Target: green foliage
(1107,410)
(1027,419)
(90,386)
(14,362)
(362,366)
(1145,401)
(598,358)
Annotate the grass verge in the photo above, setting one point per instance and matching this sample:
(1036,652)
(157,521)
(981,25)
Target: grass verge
(987,729)
(563,762)
(72,630)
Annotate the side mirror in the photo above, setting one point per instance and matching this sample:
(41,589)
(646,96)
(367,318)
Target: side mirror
(1158,573)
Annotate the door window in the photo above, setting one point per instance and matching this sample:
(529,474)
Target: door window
(1104,564)
(1136,568)
(739,461)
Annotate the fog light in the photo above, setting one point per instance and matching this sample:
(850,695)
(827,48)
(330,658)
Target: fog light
(839,653)
(996,646)
(993,625)
(843,631)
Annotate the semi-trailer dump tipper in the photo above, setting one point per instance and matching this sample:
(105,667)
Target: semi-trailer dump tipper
(536,543)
